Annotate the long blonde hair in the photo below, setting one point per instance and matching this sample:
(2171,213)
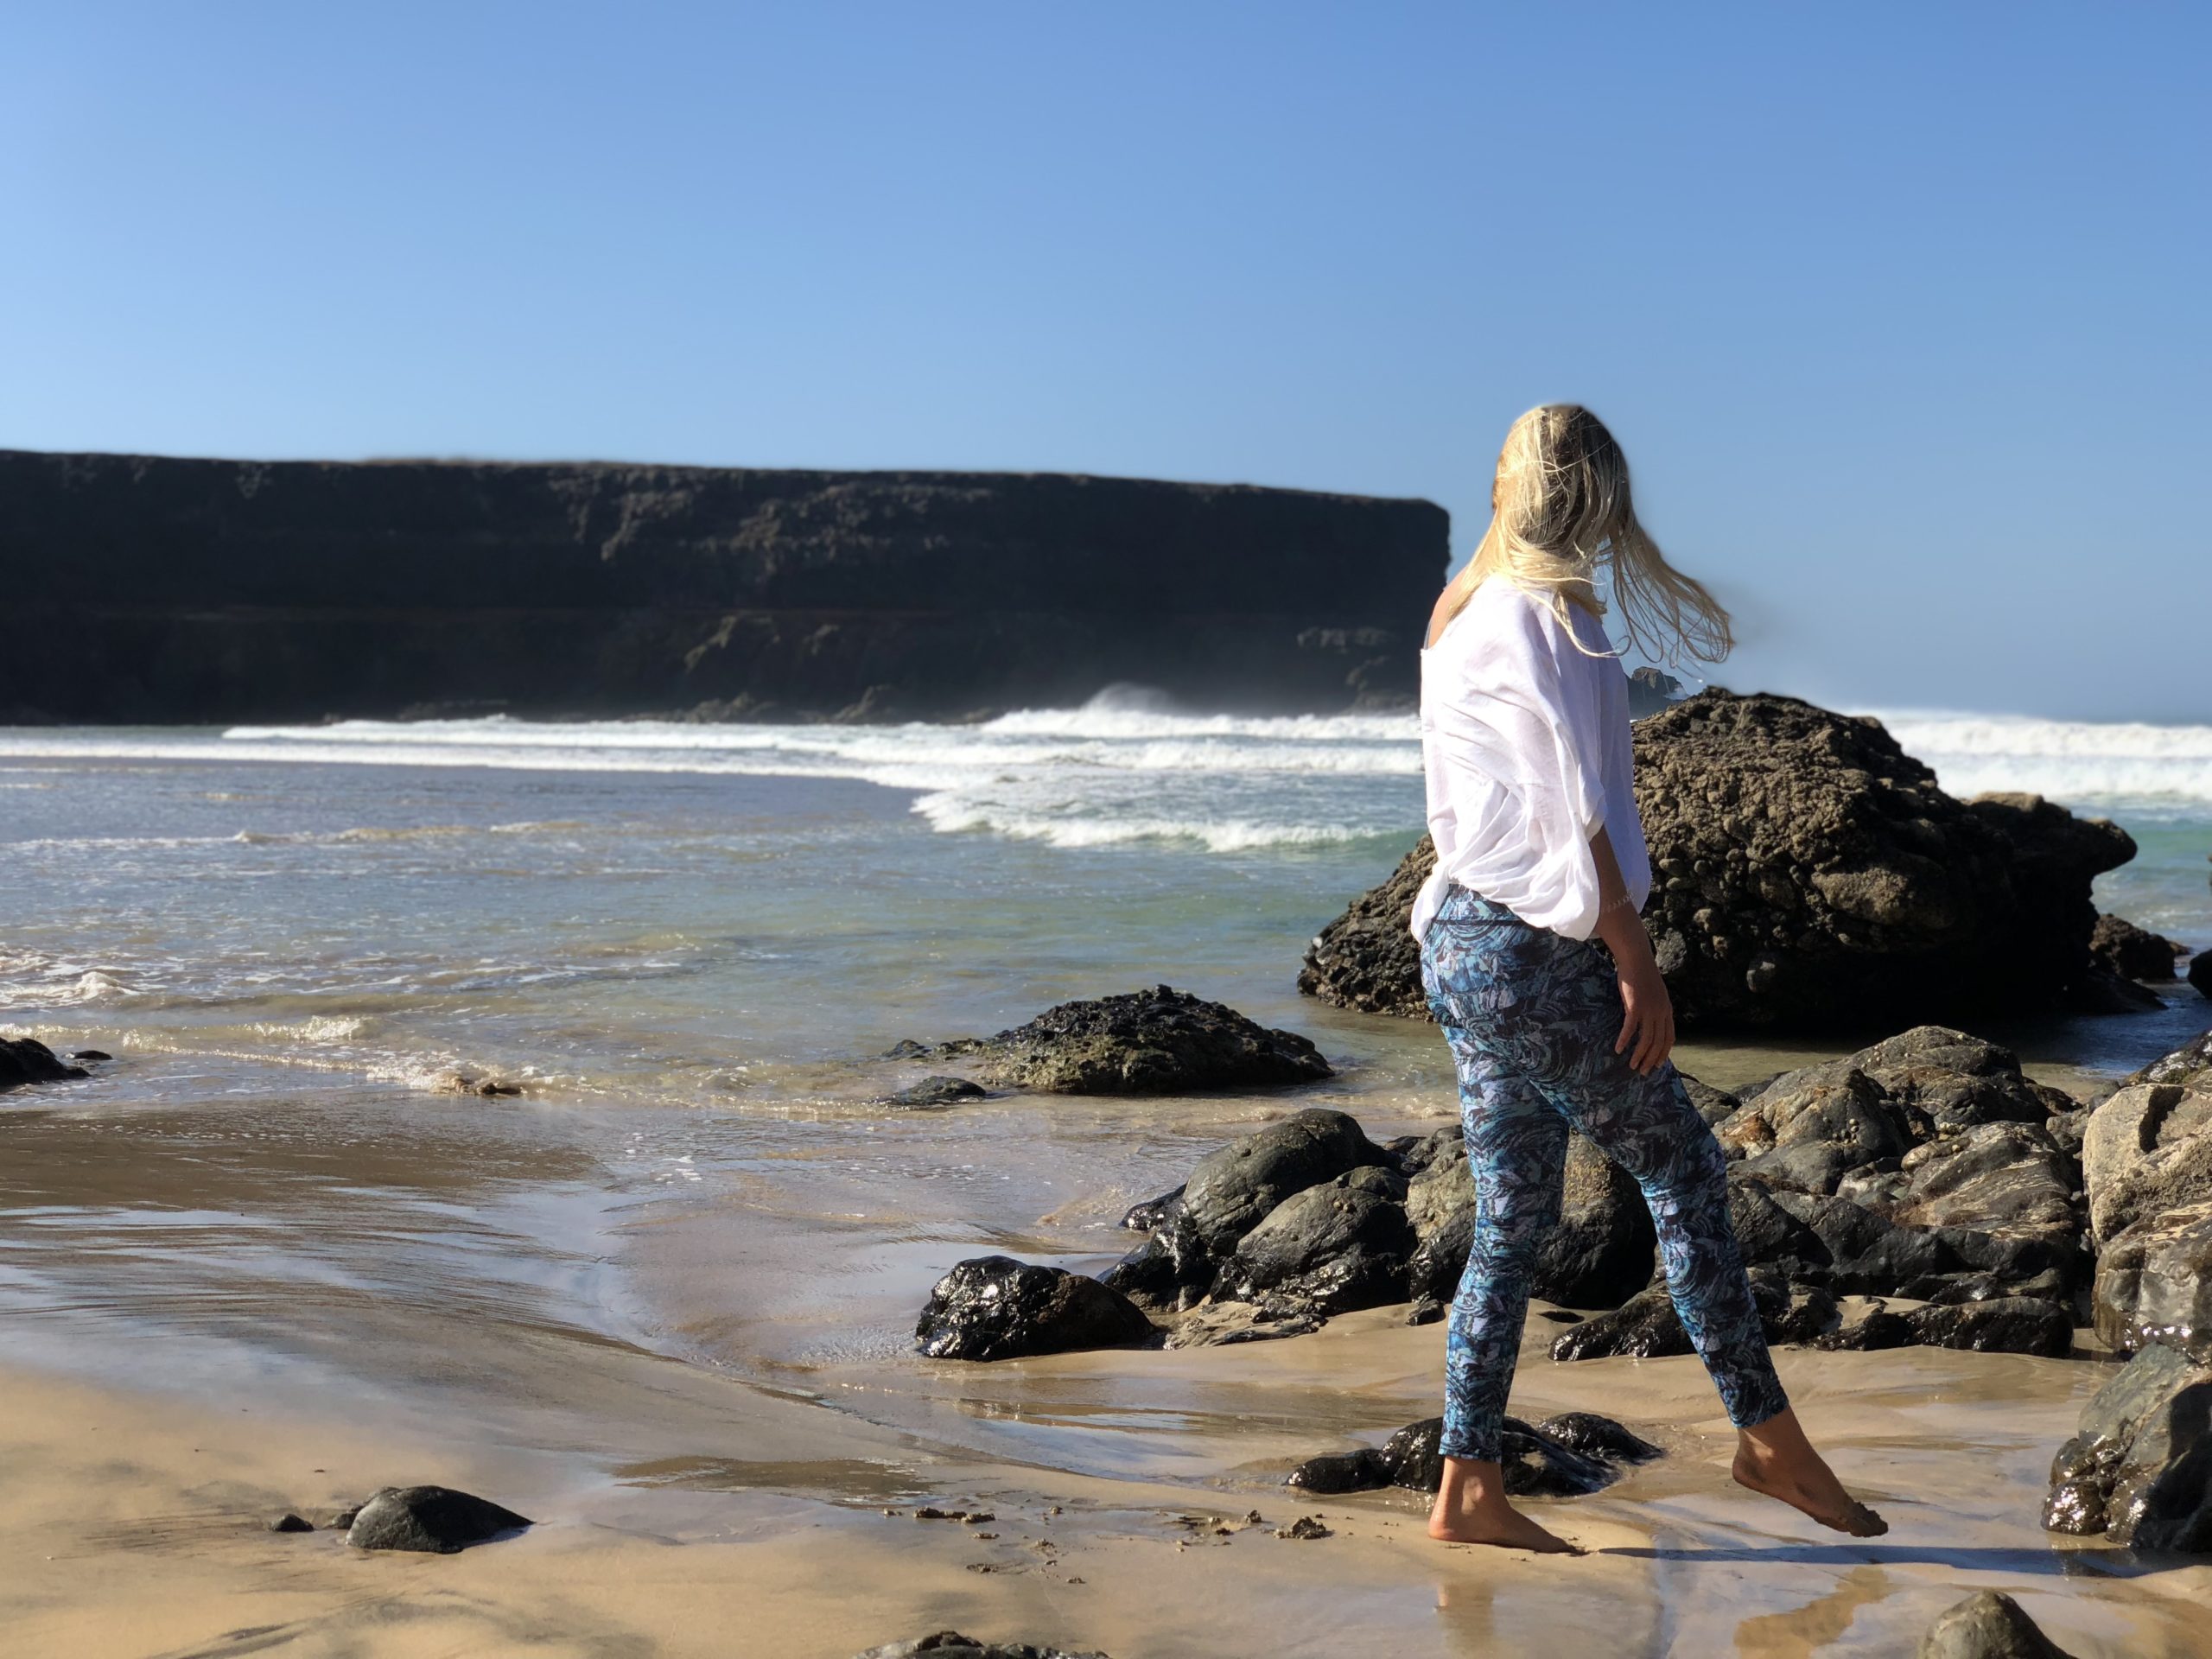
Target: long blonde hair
(1561,512)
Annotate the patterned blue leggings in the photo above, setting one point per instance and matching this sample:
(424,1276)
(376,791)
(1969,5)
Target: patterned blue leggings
(1532,1016)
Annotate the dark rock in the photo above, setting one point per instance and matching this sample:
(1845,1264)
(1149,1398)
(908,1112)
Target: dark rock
(1596,1437)
(1847,1228)
(1145,1216)
(91,1054)
(1899,1257)
(1336,1247)
(1807,873)
(1713,1105)
(1645,1325)
(2191,1063)
(1877,1329)
(2002,1324)
(938,1091)
(1808,1128)
(1649,691)
(2200,972)
(1154,1042)
(432,1520)
(1536,1465)
(1306,1527)
(1432,1274)
(950,1645)
(1415,1455)
(1953,1289)
(2133,952)
(2139,1469)
(1222,1324)
(1812,1314)
(2000,1178)
(2097,989)
(289,1522)
(905,1049)
(2154,1283)
(1767,1232)
(1940,1079)
(25,1059)
(994,1308)
(1987,1625)
(1368,958)
(1363,1471)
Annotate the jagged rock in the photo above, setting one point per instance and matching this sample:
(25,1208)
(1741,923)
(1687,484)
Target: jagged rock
(1807,873)
(431,1520)
(1222,1324)
(1877,1328)
(1997,1177)
(1713,1105)
(1566,1456)
(2002,1324)
(1645,1327)
(1230,1192)
(1766,1232)
(1988,1624)
(1154,1042)
(938,1091)
(1813,1313)
(2133,952)
(2154,1282)
(1939,1078)
(2147,1149)
(2191,1063)
(1152,1212)
(1808,1128)
(950,1645)
(2139,1466)
(994,1308)
(25,1059)
(1335,1247)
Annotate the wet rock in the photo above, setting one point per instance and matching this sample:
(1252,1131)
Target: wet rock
(1645,1327)
(2154,1283)
(1960,1288)
(938,1091)
(432,1520)
(1230,1193)
(289,1522)
(2189,1064)
(2133,952)
(1766,1232)
(1939,1079)
(1152,1212)
(2147,1148)
(1442,1187)
(1846,1227)
(1713,1105)
(950,1645)
(1897,1257)
(1811,1314)
(2005,1178)
(905,1049)
(2139,1468)
(1807,873)
(2000,1324)
(1596,1437)
(1875,1329)
(994,1308)
(1415,1455)
(1336,1247)
(25,1059)
(1363,1471)
(1988,1624)
(93,1054)
(2200,972)
(1306,1527)
(1155,1042)
(1535,1465)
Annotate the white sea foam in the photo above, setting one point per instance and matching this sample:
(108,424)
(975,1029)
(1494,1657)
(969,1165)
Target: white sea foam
(1125,768)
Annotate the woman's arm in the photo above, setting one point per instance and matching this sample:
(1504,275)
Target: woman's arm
(1647,1022)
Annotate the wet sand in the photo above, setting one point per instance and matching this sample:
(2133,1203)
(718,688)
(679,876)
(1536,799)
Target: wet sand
(703,1392)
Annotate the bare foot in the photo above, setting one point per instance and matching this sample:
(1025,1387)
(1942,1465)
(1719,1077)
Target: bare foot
(1470,1508)
(1775,1459)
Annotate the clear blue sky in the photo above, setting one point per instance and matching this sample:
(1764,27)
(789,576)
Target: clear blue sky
(1899,309)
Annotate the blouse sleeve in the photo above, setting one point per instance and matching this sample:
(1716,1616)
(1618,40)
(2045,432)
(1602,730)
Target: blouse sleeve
(1526,719)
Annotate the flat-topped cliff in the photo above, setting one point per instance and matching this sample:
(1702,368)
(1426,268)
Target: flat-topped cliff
(142,588)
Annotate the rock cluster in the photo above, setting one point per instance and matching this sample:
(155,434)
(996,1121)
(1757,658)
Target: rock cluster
(1153,1042)
(1808,873)
(996,1308)
(1565,1456)
(25,1059)
(2133,952)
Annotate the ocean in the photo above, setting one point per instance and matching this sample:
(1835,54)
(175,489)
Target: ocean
(690,947)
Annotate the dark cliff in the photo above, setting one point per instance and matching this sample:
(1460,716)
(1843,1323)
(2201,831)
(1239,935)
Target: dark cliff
(148,589)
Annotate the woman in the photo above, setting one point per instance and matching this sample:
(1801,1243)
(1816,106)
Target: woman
(1540,857)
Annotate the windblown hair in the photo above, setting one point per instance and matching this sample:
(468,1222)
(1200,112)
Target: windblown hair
(1562,515)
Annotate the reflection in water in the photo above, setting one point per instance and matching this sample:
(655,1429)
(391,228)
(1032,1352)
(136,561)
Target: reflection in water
(1804,1630)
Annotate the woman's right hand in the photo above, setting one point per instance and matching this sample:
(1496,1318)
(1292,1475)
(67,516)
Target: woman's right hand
(1648,1013)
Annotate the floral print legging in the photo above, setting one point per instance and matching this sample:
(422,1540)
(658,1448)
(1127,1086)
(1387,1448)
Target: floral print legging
(1532,1017)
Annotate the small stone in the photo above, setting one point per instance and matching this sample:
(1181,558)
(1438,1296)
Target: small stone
(91,1054)
(977,1517)
(289,1522)
(1307,1526)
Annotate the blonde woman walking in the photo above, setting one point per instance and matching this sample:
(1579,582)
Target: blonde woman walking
(1537,965)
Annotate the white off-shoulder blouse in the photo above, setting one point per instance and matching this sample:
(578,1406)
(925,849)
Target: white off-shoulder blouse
(1524,741)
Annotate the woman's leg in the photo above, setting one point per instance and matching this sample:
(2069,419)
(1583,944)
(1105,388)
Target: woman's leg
(1516,1149)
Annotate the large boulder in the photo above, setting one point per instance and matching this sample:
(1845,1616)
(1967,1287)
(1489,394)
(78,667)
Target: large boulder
(2138,1468)
(1156,1042)
(26,1059)
(996,1308)
(2147,1159)
(2009,1178)
(1988,1624)
(1808,874)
